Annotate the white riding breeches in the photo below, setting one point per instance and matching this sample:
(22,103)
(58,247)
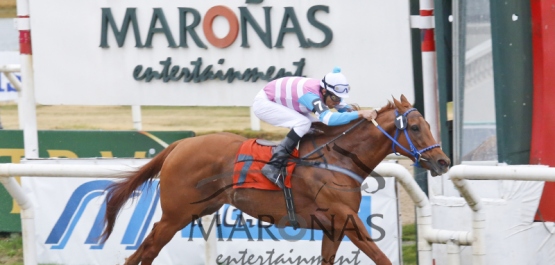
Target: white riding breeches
(279,115)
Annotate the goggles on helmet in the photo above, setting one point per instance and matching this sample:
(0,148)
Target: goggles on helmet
(339,88)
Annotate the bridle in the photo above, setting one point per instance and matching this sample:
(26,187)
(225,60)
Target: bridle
(417,154)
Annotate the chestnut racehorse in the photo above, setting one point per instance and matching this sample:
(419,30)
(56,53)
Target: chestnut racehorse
(188,162)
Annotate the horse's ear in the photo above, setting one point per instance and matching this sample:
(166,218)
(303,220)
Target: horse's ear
(397,103)
(405,101)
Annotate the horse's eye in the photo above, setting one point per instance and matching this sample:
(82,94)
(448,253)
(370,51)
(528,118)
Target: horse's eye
(415,128)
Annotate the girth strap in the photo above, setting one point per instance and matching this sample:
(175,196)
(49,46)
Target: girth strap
(289,205)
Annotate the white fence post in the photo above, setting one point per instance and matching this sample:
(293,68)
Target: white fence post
(137,117)
(255,121)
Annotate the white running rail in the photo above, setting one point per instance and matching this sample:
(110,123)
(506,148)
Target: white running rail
(461,173)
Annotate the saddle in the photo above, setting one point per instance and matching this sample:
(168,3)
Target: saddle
(252,156)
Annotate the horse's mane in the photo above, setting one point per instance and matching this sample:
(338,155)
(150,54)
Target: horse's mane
(322,130)
(388,106)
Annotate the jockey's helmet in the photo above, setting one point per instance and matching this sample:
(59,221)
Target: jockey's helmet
(336,83)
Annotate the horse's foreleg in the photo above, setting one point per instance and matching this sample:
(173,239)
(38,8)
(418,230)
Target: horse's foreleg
(355,230)
(330,244)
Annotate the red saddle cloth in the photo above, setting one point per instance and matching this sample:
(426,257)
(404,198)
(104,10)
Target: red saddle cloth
(248,163)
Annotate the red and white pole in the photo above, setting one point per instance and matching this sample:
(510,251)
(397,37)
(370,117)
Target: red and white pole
(28,123)
(425,22)
(27,103)
(429,67)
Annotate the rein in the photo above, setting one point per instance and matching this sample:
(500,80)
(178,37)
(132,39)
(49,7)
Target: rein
(332,140)
(325,165)
(417,154)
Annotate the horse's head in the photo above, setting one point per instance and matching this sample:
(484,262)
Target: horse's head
(416,140)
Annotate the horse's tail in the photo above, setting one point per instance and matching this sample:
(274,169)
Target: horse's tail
(119,192)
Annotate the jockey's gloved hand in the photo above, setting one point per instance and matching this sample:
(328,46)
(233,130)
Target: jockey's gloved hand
(369,114)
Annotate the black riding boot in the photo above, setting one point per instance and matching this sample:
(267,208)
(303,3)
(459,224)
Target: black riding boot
(282,151)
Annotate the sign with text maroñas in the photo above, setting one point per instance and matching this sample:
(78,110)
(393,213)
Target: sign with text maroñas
(77,144)
(212,52)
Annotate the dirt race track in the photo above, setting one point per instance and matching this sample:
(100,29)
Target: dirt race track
(198,119)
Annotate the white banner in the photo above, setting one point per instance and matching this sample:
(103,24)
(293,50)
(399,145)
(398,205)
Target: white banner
(69,213)
(196,52)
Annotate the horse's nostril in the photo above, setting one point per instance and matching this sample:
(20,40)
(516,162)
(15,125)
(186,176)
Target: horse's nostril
(443,163)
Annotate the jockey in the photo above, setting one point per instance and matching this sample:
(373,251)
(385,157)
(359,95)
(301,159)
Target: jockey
(288,101)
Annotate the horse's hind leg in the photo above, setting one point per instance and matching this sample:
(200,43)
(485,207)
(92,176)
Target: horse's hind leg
(135,258)
(158,238)
(162,232)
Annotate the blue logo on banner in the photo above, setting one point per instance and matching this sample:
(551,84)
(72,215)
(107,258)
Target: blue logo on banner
(136,229)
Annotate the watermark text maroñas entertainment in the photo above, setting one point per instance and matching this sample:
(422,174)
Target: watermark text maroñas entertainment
(272,258)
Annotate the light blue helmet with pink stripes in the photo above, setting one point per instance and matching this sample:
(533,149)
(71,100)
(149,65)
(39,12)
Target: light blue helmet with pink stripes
(336,83)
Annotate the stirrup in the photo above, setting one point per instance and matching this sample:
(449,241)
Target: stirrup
(277,180)
(280,182)
(273,175)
